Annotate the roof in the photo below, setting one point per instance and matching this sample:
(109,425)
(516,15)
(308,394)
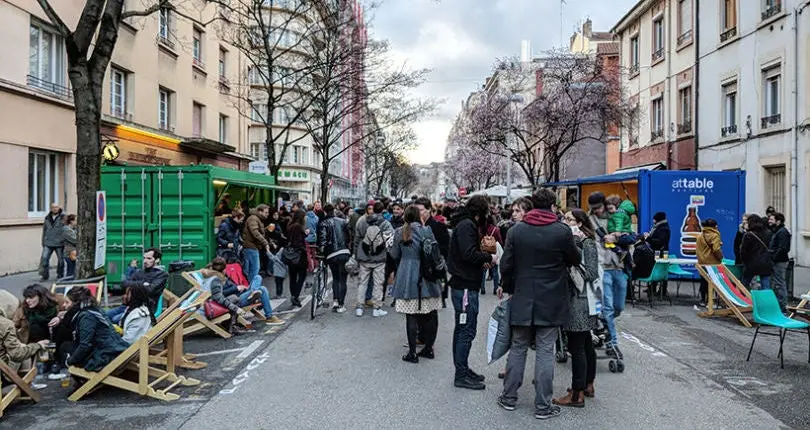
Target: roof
(601,35)
(607,48)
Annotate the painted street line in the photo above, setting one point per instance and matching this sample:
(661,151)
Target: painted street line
(749,385)
(224,351)
(249,349)
(642,345)
(245,375)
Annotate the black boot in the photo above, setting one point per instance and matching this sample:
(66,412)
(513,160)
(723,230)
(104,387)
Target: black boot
(410,357)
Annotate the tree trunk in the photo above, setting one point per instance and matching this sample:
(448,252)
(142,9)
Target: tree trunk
(324,189)
(88,168)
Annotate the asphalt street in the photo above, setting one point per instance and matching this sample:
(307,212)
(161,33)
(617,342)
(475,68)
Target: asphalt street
(340,371)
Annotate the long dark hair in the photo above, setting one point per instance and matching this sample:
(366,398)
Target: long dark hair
(46,299)
(756,224)
(587,227)
(299,217)
(138,296)
(82,298)
(411,215)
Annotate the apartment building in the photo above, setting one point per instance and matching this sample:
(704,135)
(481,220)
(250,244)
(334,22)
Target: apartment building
(164,102)
(657,49)
(754,76)
(587,41)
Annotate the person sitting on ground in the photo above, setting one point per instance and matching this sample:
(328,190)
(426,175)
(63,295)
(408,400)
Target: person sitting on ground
(214,282)
(13,351)
(137,320)
(96,343)
(151,276)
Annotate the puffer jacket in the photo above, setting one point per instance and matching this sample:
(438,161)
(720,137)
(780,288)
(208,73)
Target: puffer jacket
(12,350)
(333,237)
(96,342)
(52,230)
(709,247)
(253,233)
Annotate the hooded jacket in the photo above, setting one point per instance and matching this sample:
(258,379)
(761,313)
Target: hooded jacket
(52,230)
(709,247)
(229,231)
(362,226)
(466,259)
(621,221)
(253,233)
(96,342)
(535,264)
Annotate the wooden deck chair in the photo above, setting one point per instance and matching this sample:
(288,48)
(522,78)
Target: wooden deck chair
(200,322)
(175,345)
(802,309)
(731,291)
(136,359)
(95,285)
(20,385)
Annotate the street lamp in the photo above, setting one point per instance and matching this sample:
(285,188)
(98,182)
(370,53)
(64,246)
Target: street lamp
(516,100)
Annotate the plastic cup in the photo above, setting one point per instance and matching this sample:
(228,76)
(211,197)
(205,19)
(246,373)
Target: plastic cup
(665,255)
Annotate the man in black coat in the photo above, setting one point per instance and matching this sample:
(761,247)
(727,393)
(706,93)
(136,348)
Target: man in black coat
(534,266)
(780,250)
(658,239)
(465,263)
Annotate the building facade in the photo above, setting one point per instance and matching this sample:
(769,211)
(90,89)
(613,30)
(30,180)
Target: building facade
(657,54)
(755,111)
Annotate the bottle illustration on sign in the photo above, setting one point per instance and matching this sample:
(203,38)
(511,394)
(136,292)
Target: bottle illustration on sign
(690,231)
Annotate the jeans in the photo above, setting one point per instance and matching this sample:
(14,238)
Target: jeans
(764,282)
(779,283)
(375,272)
(297,277)
(45,262)
(496,278)
(252,263)
(256,285)
(115,314)
(464,334)
(70,269)
(583,359)
(614,292)
(544,338)
(279,286)
(338,267)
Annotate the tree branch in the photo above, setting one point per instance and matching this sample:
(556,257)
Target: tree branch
(54,18)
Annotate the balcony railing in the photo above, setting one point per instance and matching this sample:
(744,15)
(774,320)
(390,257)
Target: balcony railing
(656,134)
(685,37)
(120,113)
(198,63)
(166,127)
(771,10)
(634,69)
(685,127)
(728,34)
(658,54)
(163,40)
(728,130)
(60,91)
(768,121)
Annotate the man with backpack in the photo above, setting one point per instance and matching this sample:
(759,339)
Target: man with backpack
(373,236)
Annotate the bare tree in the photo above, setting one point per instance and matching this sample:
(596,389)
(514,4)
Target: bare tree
(273,35)
(89,49)
(382,154)
(403,178)
(355,92)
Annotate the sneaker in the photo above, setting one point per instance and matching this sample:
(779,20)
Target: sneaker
(335,306)
(274,320)
(358,312)
(427,353)
(506,404)
(39,387)
(552,412)
(57,376)
(340,309)
(296,302)
(474,376)
(379,313)
(469,384)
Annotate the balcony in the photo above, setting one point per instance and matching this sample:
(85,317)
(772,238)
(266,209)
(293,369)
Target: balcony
(685,127)
(728,130)
(769,121)
(772,10)
(634,68)
(57,90)
(728,34)
(164,40)
(658,55)
(198,63)
(657,134)
(685,37)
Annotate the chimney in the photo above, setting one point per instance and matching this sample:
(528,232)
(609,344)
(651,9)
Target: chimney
(525,51)
(587,28)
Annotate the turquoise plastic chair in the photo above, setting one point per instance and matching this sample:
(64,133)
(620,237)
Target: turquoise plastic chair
(677,270)
(660,273)
(768,313)
(735,269)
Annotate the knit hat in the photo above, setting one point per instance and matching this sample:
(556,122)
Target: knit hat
(659,216)
(596,200)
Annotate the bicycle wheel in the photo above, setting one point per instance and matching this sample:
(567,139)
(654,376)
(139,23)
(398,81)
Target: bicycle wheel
(324,289)
(313,303)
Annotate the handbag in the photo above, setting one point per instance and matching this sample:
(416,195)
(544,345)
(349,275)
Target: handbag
(214,310)
(291,256)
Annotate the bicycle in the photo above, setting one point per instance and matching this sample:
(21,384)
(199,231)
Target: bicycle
(320,288)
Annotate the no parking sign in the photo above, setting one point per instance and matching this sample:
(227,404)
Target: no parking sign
(101,229)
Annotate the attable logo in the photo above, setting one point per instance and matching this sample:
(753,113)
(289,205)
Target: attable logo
(693,184)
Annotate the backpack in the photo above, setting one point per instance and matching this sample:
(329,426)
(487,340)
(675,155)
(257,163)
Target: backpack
(373,242)
(643,260)
(432,266)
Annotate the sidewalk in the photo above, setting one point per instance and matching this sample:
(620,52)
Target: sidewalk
(15,284)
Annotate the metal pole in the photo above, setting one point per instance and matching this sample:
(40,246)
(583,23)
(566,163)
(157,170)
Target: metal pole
(509,170)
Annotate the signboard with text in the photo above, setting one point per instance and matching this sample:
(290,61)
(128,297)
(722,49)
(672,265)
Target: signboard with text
(101,229)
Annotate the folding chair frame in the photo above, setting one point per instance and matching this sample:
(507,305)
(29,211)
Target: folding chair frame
(733,310)
(22,385)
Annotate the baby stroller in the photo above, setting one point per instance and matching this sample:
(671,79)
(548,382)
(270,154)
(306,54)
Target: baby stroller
(600,338)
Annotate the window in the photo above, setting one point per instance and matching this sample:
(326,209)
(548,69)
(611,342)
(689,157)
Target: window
(771,109)
(223,128)
(118,93)
(657,118)
(281,75)
(634,54)
(197,47)
(775,187)
(281,115)
(258,150)
(658,39)
(259,113)
(728,20)
(685,110)
(771,8)
(684,21)
(223,59)
(44,170)
(164,18)
(296,154)
(164,109)
(196,119)
(283,37)
(281,153)
(305,155)
(46,60)
(729,109)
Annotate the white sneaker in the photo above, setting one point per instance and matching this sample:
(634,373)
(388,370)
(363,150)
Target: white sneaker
(39,387)
(340,310)
(335,306)
(358,312)
(806,297)
(379,313)
(57,376)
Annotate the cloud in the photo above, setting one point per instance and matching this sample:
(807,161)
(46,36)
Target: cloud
(460,41)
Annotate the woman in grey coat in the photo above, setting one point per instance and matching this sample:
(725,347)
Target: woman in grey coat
(416,297)
(583,317)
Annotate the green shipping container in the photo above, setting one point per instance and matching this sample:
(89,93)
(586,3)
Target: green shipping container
(171,208)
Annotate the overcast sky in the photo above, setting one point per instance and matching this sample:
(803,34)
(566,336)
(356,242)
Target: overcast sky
(460,40)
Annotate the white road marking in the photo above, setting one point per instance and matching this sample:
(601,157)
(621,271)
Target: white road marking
(249,349)
(224,351)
